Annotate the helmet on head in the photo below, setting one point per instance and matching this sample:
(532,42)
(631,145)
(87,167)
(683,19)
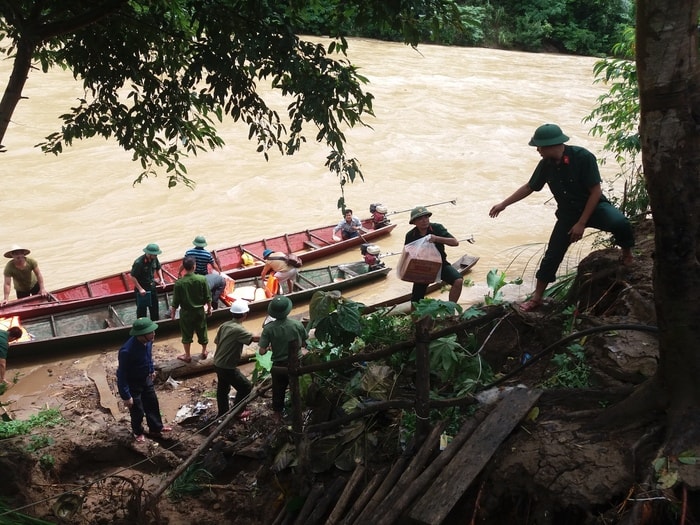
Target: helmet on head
(266,253)
(548,135)
(418,212)
(152,249)
(143,326)
(280,306)
(239,306)
(200,241)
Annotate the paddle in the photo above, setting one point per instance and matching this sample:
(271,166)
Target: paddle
(453,202)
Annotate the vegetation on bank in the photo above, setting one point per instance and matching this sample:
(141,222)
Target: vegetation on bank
(580,27)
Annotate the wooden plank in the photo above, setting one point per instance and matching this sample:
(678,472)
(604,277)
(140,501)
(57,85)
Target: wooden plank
(453,481)
(108,399)
(311,245)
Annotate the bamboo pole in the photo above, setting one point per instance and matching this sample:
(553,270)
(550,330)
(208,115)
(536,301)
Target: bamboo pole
(393,510)
(344,499)
(364,497)
(155,496)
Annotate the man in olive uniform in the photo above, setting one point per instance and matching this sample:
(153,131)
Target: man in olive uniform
(192,295)
(572,174)
(146,275)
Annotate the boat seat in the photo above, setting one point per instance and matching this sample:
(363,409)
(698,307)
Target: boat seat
(311,245)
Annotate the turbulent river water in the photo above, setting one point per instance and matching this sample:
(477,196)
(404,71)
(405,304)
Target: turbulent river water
(451,123)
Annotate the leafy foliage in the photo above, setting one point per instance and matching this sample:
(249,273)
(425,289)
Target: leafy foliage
(46,418)
(572,370)
(496,281)
(8,517)
(190,482)
(454,366)
(616,117)
(159,75)
(436,309)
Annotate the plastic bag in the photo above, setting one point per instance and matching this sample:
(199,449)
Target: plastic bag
(420,262)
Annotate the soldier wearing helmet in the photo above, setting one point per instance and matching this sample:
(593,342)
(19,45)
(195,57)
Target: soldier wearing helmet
(572,174)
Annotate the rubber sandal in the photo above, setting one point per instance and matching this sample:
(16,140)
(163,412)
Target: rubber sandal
(164,430)
(244,415)
(139,438)
(530,305)
(184,358)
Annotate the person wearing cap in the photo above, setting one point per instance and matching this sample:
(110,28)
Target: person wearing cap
(192,295)
(438,235)
(277,264)
(230,339)
(6,337)
(24,273)
(280,336)
(572,174)
(349,227)
(146,274)
(202,256)
(135,376)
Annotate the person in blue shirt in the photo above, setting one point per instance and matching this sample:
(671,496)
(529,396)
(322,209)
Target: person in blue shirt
(349,227)
(202,257)
(135,375)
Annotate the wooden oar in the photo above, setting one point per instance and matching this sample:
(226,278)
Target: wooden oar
(453,202)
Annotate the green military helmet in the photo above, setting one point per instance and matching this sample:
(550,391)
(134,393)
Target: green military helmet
(279,307)
(143,326)
(200,241)
(548,135)
(418,212)
(152,249)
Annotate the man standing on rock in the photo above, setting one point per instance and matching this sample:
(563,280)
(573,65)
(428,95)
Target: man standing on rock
(192,295)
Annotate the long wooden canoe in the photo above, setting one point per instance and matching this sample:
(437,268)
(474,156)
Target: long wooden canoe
(105,325)
(309,245)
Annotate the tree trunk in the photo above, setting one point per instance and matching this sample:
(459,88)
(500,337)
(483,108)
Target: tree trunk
(18,77)
(668,76)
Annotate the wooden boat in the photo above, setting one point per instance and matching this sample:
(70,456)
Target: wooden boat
(463,265)
(309,245)
(107,325)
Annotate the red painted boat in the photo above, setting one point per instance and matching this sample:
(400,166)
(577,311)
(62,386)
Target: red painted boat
(309,245)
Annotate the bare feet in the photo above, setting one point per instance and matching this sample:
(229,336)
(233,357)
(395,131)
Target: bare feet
(185,358)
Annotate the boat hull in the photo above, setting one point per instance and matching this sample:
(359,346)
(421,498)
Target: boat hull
(309,245)
(106,325)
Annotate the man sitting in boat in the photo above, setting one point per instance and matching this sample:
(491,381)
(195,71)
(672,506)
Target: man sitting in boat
(276,263)
(349,227)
